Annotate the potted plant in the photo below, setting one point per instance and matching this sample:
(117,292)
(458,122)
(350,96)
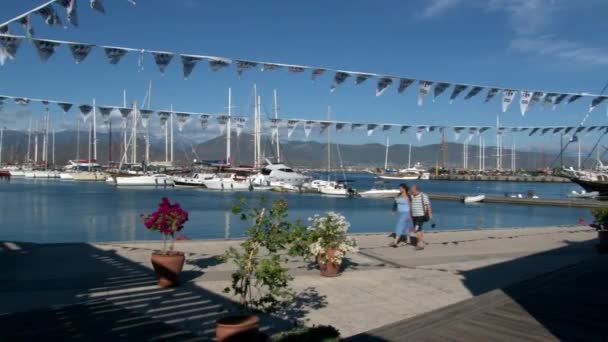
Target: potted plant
(261,279)
(167,220)
(329,242)
(601,225)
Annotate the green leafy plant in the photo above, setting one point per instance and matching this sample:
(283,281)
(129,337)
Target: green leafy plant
(327,233)
(321,333)
(261,280)
(601,218)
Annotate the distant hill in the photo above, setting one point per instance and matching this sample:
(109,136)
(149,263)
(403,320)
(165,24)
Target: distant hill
(310,154)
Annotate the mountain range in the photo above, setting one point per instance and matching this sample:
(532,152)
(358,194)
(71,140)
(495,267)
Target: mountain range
(299,154)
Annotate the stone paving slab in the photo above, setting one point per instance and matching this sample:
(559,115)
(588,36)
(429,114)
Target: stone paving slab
(380,285)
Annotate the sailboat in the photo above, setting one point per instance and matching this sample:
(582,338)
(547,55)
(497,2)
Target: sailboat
(276,176)
(337,188)
(410,173)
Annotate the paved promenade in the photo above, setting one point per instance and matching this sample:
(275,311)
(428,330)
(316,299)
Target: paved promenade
(381,285)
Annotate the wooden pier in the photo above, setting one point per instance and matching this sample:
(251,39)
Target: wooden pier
(575,203)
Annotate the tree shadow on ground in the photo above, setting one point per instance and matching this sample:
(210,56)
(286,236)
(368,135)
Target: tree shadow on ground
(307,300)
(110,288)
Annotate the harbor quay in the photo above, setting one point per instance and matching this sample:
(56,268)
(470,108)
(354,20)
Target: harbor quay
(113,282)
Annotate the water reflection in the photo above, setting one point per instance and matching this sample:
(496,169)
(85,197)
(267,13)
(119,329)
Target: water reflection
(60,211)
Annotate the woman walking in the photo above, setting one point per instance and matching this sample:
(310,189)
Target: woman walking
(402,207)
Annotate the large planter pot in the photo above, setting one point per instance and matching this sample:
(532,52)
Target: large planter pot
(602,236)
(237,328)
(168,267)
(327,267)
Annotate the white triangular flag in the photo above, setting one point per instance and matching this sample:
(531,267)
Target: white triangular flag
(423,90)
(507,98)
(308,126)
(524,101)
(371,128)
(291,127)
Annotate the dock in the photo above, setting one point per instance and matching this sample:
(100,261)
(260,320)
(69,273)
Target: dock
(501,178)
(555,202)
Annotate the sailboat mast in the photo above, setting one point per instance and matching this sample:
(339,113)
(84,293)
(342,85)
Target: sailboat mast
(259,146)
(29,141)
(328,143)
(228,125)
(1,139)
(78,144)
(171,136)
(386,155)
(255,126)
(134,137)
(94,131)
(89,146)
(579,153)
(276,116)
(409,157)
(53,156)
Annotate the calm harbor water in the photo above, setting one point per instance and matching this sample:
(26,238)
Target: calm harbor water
(67,211)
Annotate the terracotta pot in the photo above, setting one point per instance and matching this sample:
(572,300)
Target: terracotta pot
(168,267)
(328,268)
(602,236)
(237,328)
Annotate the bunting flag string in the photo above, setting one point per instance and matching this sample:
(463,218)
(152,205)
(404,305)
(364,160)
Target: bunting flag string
(362,78)
(239,125)
(419,131)
(459,88)
(507,97)
(274,126)
(308,126)
(85,111)
(291,127)
(204,120)
(222,121)
(98,6)
(324,125)
(9,45)
(340,126)
(45,48)
(80,51)
(423,90)
(596,101)
(163,116)
(491,93)
(339,78)
(383,83)
(145,114)
(524,101)
(474,91)
(439,89)
(182,120)
(371,128)
(105,113)
(188,64)
(70,10)
(291,123)
(162,60)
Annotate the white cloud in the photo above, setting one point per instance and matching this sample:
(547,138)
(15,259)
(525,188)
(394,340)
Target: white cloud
(567,51)
(438,7)
(525,16)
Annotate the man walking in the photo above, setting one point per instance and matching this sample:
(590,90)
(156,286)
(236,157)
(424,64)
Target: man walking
(421,212)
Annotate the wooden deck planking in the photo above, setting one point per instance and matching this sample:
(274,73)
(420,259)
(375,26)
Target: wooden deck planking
(569,304)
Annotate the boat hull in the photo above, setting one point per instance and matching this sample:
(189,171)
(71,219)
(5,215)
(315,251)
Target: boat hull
(379,193)
(226,185)
(156,180)
(592,186)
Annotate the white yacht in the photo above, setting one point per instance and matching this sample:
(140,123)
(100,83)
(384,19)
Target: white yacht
(149,180)
(196,179)
(338,189)
(227,181)
(411,173)
(274,173)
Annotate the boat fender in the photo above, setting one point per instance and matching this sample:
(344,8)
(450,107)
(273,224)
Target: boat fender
(156,181)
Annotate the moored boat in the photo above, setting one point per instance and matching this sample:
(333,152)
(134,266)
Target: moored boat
(148,180)
(227,181)
(474,199)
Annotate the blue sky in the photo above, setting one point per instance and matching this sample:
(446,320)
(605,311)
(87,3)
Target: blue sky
(536,44)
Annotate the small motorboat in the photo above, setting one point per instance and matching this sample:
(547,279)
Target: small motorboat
(380,189)
(338,189)
(474,199)
(583,194)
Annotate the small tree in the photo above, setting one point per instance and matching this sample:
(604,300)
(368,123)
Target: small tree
(261,280)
